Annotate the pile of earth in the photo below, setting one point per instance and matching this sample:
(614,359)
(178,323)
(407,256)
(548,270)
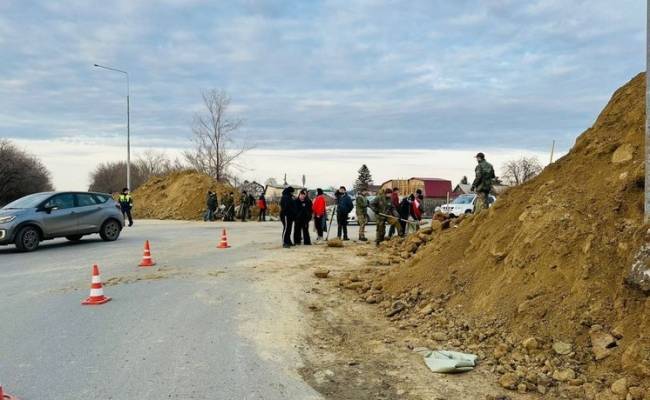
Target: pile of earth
(179,195)
(536,284)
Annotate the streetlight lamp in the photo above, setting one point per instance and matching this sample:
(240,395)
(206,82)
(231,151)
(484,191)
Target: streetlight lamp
(128,124)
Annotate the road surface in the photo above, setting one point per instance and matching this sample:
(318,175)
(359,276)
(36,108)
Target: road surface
(179,330)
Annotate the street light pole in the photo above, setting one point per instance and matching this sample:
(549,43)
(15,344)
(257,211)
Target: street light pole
(128,123)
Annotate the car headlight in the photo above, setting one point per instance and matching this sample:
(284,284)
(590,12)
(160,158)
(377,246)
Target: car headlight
(4,220)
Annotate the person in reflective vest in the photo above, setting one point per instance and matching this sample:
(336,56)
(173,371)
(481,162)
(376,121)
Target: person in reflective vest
(126,204)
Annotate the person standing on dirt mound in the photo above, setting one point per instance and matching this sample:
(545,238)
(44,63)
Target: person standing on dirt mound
(344,206)
(381,205)
(482,184)
(303,216)
(287,215)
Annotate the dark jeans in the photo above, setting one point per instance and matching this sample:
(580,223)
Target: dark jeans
(209,215)
(245,213)
(262,216)
(342,221)
(301,230)
(318,222)
(287,225)
(126,212)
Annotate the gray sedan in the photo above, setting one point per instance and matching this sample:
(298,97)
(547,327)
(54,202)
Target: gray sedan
(42,216)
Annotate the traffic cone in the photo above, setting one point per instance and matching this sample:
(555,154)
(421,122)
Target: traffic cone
(96,290)
(224,240)
(147,261)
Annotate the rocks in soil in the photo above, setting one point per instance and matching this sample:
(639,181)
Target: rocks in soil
(639,275)
(602,343)
(335,243)
(322,273)
(509,381)
(562,348)
(530,343)
(619,387)
(396,308)
(564,375)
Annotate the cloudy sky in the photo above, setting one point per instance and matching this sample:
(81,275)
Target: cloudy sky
(320,84)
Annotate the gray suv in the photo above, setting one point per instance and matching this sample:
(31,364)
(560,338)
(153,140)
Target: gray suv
(42,216)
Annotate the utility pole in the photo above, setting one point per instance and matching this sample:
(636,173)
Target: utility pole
(552,151)
(128,123)
(647,118)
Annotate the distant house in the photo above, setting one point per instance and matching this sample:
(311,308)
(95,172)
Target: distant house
(464,188)
(435,190)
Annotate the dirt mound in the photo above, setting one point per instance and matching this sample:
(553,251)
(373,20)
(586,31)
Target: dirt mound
(544,269)
(179,195)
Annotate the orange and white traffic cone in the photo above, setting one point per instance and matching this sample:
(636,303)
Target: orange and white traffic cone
(224,240)
(96,290)
(147,261)
(6,396)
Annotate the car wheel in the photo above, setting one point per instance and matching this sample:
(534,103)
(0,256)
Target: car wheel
(110,230)
(74,238)
(27,239)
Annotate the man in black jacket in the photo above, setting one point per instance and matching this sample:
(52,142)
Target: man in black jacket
(211,204)
(344,206)
(303,216)
(287,215)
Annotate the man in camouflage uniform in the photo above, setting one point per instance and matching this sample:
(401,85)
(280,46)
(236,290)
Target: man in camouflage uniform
(228,202)
(382,207)
(482,184)
(361,205)
(244,206)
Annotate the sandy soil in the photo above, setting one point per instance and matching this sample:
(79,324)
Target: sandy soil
(343,347)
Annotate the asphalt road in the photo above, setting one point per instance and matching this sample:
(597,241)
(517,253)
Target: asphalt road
(171,332)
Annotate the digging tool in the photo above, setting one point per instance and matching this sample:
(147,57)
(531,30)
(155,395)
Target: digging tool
(392,217)
(331,220)
(226,213)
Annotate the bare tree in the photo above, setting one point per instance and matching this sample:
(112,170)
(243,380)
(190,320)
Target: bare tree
(157,163)
(213,132)
(516,172)
(20,173)
(109,177)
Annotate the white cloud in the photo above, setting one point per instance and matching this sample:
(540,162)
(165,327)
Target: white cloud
(72,160)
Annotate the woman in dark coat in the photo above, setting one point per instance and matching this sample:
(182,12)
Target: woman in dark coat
(287,215)
(303,216)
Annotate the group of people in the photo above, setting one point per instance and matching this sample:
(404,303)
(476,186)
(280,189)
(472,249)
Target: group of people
(389,208)
(230,211)
(296,212)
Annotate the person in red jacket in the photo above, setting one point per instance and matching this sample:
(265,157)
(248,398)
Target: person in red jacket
(319,209)
(261,204)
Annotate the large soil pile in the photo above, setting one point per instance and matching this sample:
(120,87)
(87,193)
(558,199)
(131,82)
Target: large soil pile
(536,283)
(179,195)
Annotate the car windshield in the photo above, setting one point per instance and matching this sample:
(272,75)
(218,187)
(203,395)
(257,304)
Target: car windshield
(31,201)
(464,199)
